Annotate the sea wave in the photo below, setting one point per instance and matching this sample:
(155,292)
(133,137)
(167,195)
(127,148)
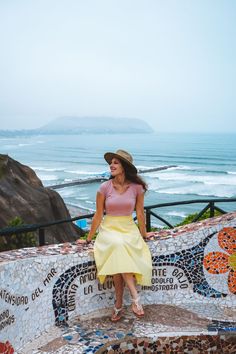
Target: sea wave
(81,172)
(207,155)
(48,177)
(80,207)
(90,202)
(13,146)
(221,193)
(145,167)
(177,213)
(68,192)
(25,144)
(204,179)
(82,197)
(182,167)
(9,146)
(201,169)
(195,169)
(47,169)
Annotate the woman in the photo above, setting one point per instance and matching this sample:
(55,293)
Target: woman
(119,249)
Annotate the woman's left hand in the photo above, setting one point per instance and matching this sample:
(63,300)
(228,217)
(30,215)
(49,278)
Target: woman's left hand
(80,241)
(149,235)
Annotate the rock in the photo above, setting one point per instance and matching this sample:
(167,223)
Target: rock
(23,195)
(95,125)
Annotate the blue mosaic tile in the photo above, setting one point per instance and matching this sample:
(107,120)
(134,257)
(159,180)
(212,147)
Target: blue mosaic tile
(222,326)
(68,337)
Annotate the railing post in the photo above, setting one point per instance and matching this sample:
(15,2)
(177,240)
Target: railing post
(148,220)
(41,237)
(212,209)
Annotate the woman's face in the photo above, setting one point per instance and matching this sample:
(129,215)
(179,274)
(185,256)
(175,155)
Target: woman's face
(116,167)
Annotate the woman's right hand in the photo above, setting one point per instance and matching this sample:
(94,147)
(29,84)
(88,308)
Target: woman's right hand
(149,235)
(80,241)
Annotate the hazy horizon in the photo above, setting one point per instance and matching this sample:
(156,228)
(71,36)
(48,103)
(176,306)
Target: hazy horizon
(169,131)
(171,64)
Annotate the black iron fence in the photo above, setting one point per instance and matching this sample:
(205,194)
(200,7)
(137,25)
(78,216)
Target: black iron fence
(210,204)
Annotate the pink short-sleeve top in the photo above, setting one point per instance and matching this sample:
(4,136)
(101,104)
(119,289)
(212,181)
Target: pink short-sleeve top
(120,204)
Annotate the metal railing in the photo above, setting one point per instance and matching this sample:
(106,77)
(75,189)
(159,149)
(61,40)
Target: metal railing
(210,205)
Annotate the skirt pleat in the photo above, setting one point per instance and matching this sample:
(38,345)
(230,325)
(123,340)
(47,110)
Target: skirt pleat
(120,248)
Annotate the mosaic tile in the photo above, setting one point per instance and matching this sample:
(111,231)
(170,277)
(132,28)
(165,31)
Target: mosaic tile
(194,269)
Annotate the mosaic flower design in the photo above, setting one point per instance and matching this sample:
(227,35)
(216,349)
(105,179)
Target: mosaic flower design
(6,348)
(221,262)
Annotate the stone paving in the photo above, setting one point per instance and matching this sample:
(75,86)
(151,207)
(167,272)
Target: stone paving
(164,329)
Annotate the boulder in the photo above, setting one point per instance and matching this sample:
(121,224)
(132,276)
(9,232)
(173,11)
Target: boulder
(23,195)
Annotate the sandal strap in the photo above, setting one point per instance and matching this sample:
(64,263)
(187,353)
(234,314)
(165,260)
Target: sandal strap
(116,310)
(136,302)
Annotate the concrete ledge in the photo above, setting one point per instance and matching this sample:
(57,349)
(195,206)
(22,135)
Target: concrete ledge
(53,285)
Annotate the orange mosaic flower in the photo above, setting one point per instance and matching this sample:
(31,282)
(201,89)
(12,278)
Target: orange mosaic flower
(6,348)
(220,262)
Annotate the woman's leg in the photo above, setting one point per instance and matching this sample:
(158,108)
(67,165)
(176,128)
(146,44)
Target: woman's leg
(119,289)
(130,282)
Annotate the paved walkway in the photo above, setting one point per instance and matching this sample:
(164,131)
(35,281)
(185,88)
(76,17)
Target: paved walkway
(164,329)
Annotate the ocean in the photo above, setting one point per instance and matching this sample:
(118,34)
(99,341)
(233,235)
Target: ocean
(206,166)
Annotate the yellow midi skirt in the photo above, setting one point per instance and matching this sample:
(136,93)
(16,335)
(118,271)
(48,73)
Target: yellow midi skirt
(120,248)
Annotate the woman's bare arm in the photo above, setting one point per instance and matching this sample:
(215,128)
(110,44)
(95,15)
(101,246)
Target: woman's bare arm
(100,200)
(97,218)
(140,214)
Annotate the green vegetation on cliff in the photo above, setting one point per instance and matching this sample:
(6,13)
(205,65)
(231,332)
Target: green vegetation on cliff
(191,217)
(12,242)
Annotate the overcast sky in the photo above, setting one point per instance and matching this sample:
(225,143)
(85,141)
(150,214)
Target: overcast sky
(171,63)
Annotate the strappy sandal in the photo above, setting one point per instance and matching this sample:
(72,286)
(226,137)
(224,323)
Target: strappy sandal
(139,308)
(117,314)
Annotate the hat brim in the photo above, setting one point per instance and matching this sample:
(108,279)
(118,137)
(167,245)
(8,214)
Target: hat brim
(108,156)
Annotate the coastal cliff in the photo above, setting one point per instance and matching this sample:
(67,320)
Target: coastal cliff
(22,195)
(95,125)
(86,125)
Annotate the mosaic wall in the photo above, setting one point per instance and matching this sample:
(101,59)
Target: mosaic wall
(174,345)
(40,287)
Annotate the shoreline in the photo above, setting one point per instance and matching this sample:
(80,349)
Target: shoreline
(78,211)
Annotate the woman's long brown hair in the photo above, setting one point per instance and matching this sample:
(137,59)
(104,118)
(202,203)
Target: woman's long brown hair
(133,177)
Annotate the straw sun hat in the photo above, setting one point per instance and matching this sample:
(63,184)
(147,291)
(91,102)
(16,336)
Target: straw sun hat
(121,155)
